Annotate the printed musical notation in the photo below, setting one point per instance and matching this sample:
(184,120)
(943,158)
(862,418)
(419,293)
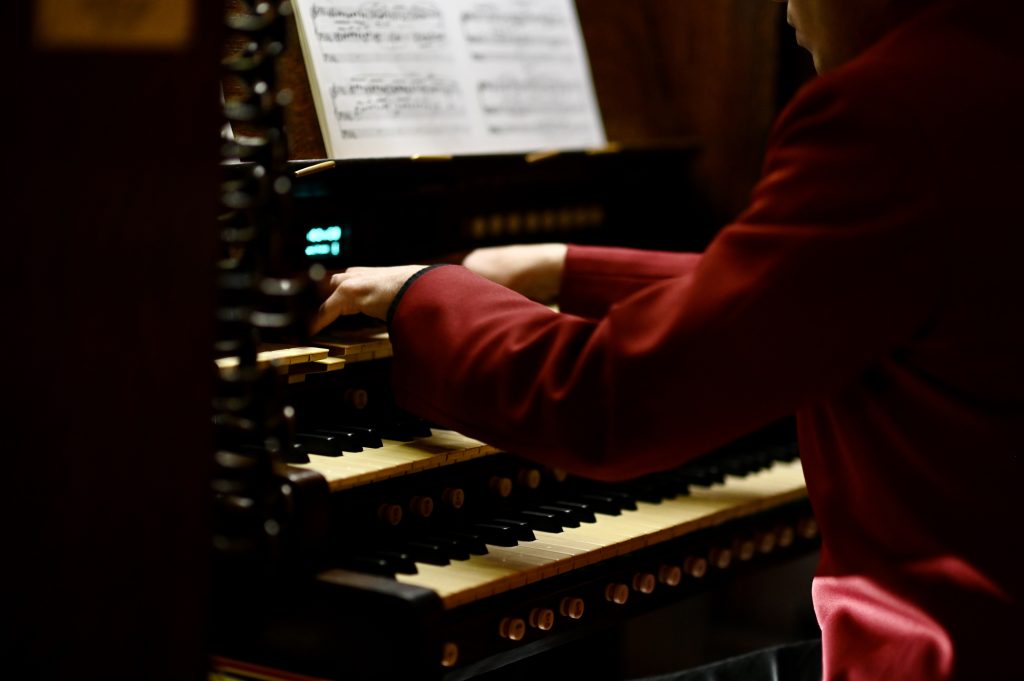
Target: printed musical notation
(445,77)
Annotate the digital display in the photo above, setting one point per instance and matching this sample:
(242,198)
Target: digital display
(328,241)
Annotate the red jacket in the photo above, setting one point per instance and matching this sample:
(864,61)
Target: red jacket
(873,287)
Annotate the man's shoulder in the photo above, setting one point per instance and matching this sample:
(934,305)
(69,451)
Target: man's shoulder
(942,70)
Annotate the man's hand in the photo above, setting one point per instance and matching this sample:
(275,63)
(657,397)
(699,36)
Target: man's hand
(534,270)
(369,290)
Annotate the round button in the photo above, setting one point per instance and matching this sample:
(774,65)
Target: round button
(542,618)
(422,506)
(720,558)
(807,528)
(644,582)
(670,575)
(449,654)
(454,497)
(512,628)
(501,486)
(616,593)
(571,607)
(357,398)
(744,548)
(765,541)
(786,535)
(529,478)
(695,566)
(390,513)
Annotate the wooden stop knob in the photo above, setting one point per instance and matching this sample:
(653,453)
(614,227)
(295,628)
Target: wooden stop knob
(454,497)
(449,654)
(542,618)
(616,593)
(670,575)
(644,582)
(422,506)
(512,628)
(390,513)
(571,607)
(695,566)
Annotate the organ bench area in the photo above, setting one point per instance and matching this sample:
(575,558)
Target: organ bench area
(432,555)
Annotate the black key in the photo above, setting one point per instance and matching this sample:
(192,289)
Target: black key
(625,500)
(584,511)
(521,527)
(347,441)
(648,490)
(425,551)
(539,520)
(602,503)
(704,474)
(677,481)
(320,443)
(366,436)
(495,533)
(372,565)
(746,463)
(566,517)
(398,561)
(400,431)
(296,453)
(470,541)
(788,452)
(454,549)
(420,428)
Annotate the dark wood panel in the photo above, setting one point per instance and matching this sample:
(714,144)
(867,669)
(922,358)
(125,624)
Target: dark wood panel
(665,69)
(108,257)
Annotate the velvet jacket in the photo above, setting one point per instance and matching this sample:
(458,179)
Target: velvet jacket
(873,287)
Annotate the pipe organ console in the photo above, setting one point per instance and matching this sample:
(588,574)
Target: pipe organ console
(356,541)
(418,539)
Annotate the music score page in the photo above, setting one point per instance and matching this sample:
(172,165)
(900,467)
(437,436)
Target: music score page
(448,77)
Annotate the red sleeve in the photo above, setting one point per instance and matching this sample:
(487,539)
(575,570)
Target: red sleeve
(597,276)
(835,264)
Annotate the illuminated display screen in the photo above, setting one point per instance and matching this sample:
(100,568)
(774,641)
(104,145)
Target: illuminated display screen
(328,242)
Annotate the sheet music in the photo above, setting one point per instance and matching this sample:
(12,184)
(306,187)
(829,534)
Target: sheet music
(447,77)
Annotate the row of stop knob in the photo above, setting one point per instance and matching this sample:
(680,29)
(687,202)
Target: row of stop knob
(743,548)
(573,607)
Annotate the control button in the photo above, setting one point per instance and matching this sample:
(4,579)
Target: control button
(765,541)
(529,478)
(571,607)
(807,528)
(512,628)
(357,398)
(695,566)
(744,548)
(390,513)
(644,582)
(786,534)
(542,618)
(720,558)
(670,575)
(500,485)
(449,654)
(453,497)
(616,593)
(421,506)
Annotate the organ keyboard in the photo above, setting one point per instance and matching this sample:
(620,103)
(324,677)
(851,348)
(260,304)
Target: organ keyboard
(470,558)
